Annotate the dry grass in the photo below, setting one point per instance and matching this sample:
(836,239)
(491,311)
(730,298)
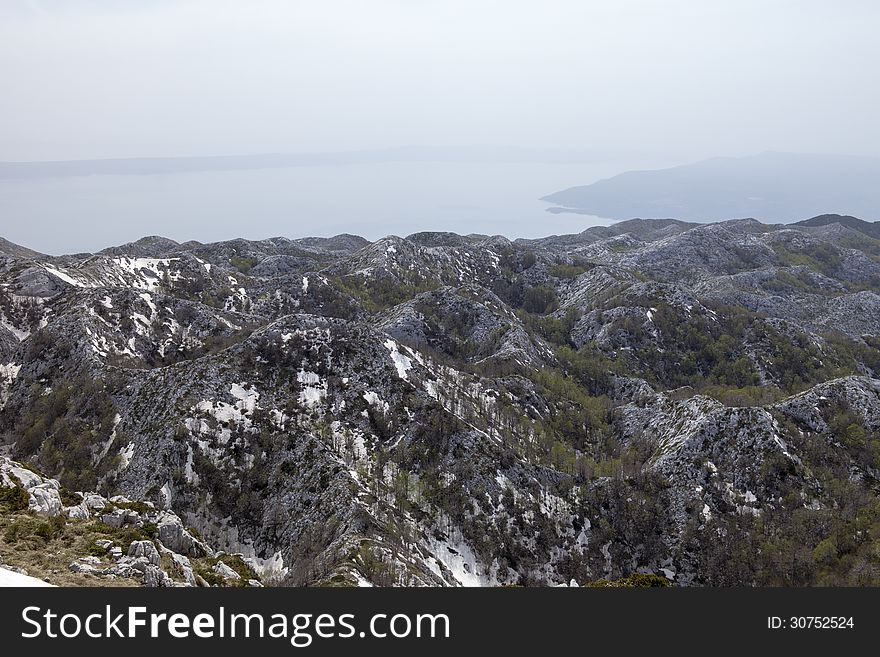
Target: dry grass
(45,547)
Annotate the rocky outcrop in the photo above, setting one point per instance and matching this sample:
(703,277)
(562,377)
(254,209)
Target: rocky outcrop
(160,561)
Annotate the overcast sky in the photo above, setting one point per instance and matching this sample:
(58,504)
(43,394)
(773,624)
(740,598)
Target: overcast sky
(670,79)
(533,97)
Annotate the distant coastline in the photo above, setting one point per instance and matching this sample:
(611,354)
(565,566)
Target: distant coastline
(774,187)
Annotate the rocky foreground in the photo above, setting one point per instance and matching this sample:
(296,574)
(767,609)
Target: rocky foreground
(120,541)
(697,402)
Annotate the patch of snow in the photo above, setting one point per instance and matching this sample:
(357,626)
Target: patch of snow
(401,362)
(109,442)
(67,278)
(206,265)
(361,580)
(373,400)
(247,397)
(147,270)
(225,414)
(314,389)
(10,578)
(459,559)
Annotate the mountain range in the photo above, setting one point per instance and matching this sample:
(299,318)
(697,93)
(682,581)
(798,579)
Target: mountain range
(656,401)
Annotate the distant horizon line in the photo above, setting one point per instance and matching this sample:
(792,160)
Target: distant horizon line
(146,165)
(404,153)
(611,222)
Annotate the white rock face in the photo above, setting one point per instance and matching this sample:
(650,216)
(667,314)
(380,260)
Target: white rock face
(225,571)
(45,498)
(175,537)
(78,512)
(184,568)
(42,493)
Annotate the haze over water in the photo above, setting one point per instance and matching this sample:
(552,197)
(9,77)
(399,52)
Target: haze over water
(372,200)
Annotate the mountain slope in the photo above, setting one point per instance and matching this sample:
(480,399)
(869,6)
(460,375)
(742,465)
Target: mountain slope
(466,410)
(868,228)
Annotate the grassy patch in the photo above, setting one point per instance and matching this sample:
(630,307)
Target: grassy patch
(205,569)
(637,580)
(45,547)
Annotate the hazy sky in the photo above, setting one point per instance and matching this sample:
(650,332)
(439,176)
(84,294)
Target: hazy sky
(581,89)
(666,79)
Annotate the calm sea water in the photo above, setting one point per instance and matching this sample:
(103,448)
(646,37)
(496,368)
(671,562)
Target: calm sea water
(88,213)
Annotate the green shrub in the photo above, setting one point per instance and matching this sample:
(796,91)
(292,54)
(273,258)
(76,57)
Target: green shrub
(14,499)
(242,263)
(564,270)
(540,300)
(636,580)
(68,497)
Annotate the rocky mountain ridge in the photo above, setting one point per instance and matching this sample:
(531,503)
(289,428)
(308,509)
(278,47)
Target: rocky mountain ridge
(650,397)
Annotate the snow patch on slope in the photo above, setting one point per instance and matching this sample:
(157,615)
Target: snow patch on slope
(314,389)
(10,578)
(401,362)
(67,278)
(459,559)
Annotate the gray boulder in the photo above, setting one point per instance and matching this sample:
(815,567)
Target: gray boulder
(145,549)
(176,538)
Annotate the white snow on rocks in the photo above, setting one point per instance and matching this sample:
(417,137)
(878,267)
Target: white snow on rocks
(313,390)
(373,400)
(226,414)
(459,559)
(147,270)
(149,301)
(247,397)
(67,278)
(19,334)
(206,265)
(401,362)
(362,581)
